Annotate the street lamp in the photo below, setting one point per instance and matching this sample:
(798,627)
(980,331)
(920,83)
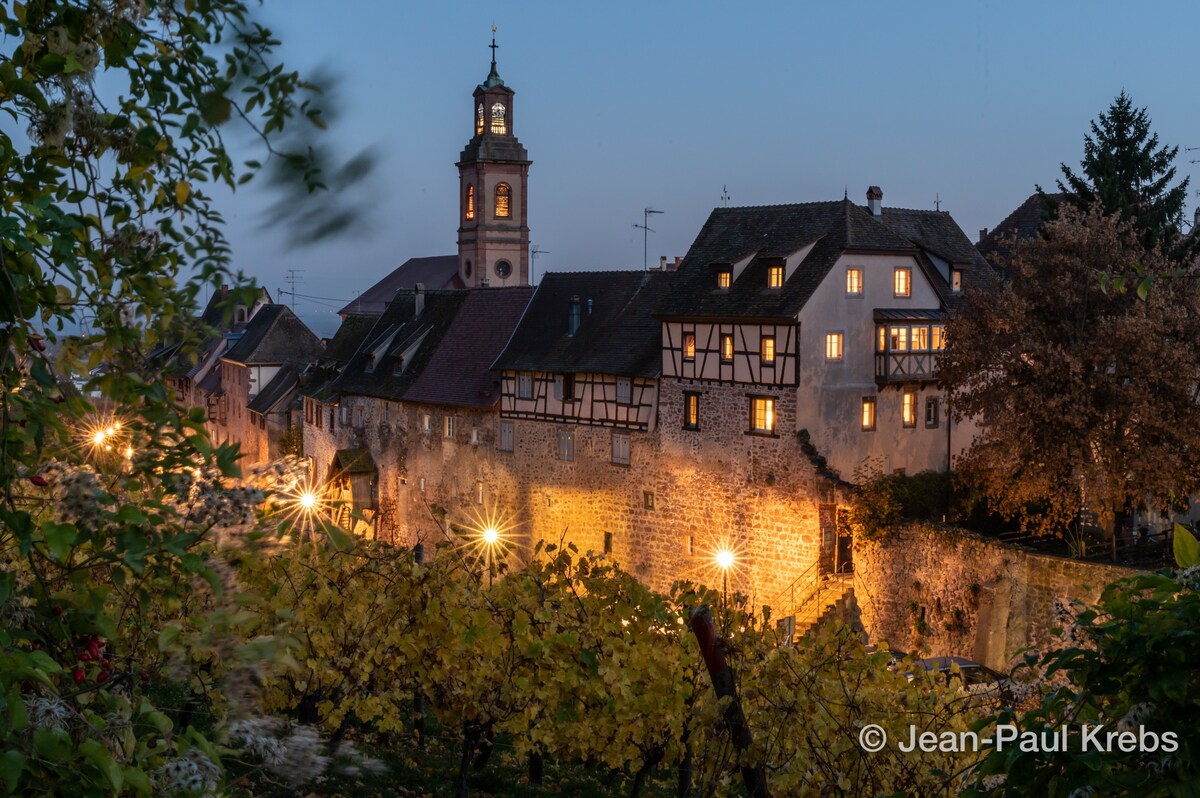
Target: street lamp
(490,537)
(725,561)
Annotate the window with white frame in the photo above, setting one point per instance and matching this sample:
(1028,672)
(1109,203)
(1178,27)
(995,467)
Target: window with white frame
(908,408)
(956,277)
(766,349)
(448,427)
(933,416)
(868,413)
(854,286)
(774,277)
(726,348)
(939,337)
(762,414)
(833,346)
(566,444)
(426,423)
(620,448)
(902,282)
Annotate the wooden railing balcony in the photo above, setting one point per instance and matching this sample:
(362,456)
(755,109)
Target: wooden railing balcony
(895,368)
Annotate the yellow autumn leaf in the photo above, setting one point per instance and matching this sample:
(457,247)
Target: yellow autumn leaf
(182,190)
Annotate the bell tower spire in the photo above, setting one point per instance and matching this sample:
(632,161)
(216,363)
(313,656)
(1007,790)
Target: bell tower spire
(493,170)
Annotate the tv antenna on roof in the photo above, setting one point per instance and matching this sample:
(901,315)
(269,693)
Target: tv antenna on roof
(1192,149)
(533,253)
(937,202)
(293,278)
(724,196)
(646,231)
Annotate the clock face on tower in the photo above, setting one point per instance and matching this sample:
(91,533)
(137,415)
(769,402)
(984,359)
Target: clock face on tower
(498,111)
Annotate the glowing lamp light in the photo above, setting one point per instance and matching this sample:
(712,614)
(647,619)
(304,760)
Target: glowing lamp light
(99,436)
(491,535)
(724,559)
(308,500)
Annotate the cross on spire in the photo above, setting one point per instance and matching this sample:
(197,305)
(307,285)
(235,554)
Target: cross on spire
(493,45)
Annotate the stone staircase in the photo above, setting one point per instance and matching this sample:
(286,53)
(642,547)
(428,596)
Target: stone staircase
(833,598)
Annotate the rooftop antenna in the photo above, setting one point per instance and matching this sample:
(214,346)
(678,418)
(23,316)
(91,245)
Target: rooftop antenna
(533,253)
(646,231)
(293,278)
(937,202)
(724,196)
(1192,149)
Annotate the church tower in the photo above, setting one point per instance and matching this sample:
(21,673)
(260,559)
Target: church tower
(493,173)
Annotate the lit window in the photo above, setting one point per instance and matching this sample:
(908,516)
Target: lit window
(920,338)
(566,444)
(868,413)
(498,119)
(727,348)
(525,385)
(908,410)
(624,391)
(833,346)
(448,427)
(766,348)
(724,278)
(762,414)
(899,339)
(902,282)
(620,448)
(691,411)
(932,414)
(854,282)
(939,337)
(882,344)
(956,280)
(774,277)
(689,346)
(479,119)
(470,202)
(503,192)
(506,436)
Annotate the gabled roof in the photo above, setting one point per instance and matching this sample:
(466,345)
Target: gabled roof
(1020,225)
(771,233)
(459,371)
(276,392)
(274,335)
(617,335)
(435,273)
(348,338)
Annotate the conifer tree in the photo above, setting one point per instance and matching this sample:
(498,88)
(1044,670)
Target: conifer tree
(1130,174)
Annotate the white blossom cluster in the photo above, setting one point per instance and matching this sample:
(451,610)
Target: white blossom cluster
(191,774)
(47,712)
(78,495)
(1136,717)
(1189,577)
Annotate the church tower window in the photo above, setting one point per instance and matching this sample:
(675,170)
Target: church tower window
(499,121)
(479,119)
(503,193)
(470,202)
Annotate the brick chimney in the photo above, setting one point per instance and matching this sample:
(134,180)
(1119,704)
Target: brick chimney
(982,234)
(875,201)
(418,299)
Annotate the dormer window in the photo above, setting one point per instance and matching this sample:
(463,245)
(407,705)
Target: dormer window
(956,280)
(724,278)
(470,202)
(479,119)
(774,277)
(503,193)
(499,122)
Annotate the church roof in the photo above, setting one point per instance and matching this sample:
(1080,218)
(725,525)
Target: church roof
(769,234)
(617,332)
(437,272)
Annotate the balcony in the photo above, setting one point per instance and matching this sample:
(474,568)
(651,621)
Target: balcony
(907,343)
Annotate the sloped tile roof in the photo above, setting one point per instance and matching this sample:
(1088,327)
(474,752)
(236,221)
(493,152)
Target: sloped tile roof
(281,387)
(354,461)
(618,336)
(459,371)
(274,335)
(435,273)
(773,232)
(1020,225)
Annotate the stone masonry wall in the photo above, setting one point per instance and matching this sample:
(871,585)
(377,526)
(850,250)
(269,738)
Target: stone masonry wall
(944,591)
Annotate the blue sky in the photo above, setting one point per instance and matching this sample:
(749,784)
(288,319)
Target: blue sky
(623,105)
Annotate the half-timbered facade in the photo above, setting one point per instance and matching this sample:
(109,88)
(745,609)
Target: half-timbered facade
(823,320)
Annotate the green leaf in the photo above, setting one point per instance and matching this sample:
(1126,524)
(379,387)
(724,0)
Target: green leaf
(60,538)
(168,636)
(99,756)
(18,716)
(11,765)
(1187,549)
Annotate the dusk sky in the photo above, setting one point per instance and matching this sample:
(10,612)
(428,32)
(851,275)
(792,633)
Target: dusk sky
(627,105)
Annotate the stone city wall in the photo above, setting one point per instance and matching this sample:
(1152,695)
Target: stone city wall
(946,591)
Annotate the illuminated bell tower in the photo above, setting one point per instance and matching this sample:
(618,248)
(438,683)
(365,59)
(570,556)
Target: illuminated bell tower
(493,175)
